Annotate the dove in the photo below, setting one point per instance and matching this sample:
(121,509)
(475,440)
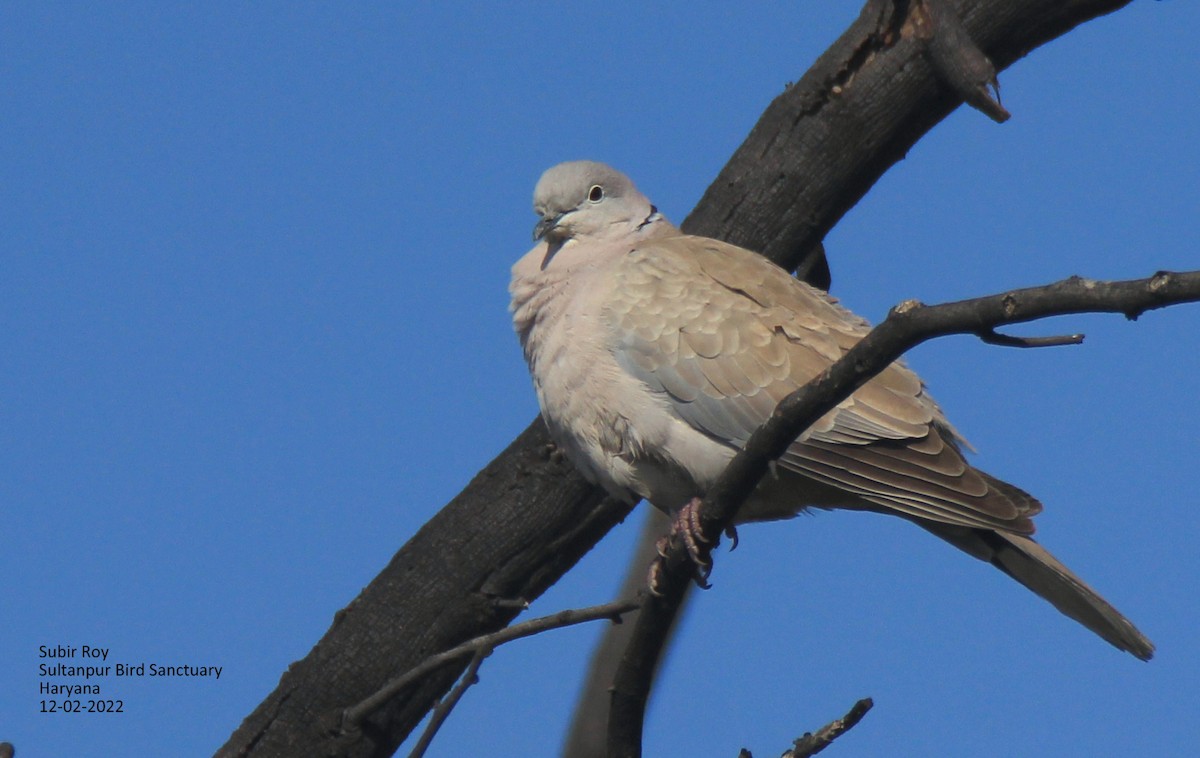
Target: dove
(655,354)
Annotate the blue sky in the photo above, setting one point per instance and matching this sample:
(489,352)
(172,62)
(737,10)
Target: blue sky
(253,334)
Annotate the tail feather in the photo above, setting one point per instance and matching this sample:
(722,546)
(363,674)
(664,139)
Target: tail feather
(1033,566)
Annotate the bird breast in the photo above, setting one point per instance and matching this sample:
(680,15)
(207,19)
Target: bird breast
(608,423)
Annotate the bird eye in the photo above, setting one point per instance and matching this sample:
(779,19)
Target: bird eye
(596,193)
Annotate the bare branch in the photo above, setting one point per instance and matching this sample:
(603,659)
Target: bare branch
(585,738)
(444,706)
(992,337)
(811,744)
(958,60)
(353,717)
(909,324)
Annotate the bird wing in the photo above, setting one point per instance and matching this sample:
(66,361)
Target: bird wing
(725,334)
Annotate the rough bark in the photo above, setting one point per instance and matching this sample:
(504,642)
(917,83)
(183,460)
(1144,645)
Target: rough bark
(526,519)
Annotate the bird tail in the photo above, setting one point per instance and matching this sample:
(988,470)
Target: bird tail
(1033,566)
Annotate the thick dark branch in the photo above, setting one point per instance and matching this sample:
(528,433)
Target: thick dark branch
(856,112)
(959,62)
(908,325)
(524,520)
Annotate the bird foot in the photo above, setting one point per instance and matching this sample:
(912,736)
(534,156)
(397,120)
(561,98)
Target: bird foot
(686,527)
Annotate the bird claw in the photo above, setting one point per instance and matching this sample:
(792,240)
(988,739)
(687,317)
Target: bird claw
(685,527)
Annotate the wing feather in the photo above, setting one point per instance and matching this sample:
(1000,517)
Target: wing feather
(725,335)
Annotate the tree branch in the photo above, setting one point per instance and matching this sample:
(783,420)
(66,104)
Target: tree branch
(958,61)
(586,736)
(908,324)
(992,337)
(353,717)
(442,708)
(812,743)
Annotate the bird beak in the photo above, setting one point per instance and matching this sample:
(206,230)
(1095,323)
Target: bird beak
(545,226)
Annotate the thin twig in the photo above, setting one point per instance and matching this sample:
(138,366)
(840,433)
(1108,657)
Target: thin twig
(908,325)
(993,337)
(443,708)
(355,715)
(812,743)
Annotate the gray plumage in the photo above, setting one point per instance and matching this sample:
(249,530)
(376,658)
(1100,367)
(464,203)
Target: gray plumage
(656,354)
